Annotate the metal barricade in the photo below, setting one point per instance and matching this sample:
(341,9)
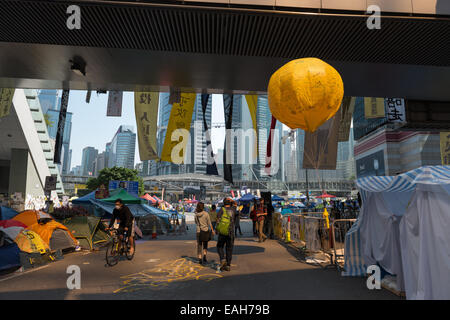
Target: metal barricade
(339,229)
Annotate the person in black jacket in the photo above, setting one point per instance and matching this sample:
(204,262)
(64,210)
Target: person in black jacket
(126,222)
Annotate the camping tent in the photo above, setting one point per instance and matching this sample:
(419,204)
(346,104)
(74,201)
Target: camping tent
(148,198)
(89,231)
(403,227)
(124,196)
(247,197)
(277,198)
(325,195)
(12,228)
(54,234)
(9,254)
(85,199)
(7,213)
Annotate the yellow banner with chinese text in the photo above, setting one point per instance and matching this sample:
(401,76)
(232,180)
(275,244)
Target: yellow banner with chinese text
(146,110)
(177,133)
(252,102)
(374,108)
(445,148)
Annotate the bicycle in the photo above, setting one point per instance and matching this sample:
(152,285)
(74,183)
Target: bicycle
(112,251)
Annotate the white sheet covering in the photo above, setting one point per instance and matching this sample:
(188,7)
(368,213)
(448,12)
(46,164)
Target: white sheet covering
(425,243)
(380,241)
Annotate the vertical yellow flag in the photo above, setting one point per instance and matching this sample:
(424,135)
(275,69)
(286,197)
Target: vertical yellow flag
(374,108)
(146,110)
(252,102)
(177,133)
(445,148)
(6,95)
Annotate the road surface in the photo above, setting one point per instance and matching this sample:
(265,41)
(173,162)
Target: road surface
(166,268)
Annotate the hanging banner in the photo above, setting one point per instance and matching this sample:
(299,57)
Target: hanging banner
(227,151)
(114,104)
(321,146)
(146,111)
(88,96)
(252,103)
(374,108)
(174,95)
(445,148)
(61,124)
(6,96)
(395,110)
(177,133)
(211,167)
(346,110)
(268,166)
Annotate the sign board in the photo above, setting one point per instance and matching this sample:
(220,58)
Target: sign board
(132,187)
(50,183)
(371,165)
(395,110)
(114,104)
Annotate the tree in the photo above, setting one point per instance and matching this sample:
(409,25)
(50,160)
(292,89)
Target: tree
(115,173)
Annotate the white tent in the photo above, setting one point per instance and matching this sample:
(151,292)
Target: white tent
(403,226)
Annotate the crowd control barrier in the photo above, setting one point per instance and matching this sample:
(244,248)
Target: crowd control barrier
(312,231)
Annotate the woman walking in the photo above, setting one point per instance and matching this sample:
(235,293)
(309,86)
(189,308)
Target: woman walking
(204,230)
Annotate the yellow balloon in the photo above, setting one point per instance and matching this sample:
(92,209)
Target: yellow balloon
(305,93)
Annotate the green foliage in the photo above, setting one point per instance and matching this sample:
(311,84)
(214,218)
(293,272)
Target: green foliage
(115,173)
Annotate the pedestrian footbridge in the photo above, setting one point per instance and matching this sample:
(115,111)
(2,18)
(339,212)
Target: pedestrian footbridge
(226,45)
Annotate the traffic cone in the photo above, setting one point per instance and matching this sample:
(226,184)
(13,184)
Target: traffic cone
(154,232)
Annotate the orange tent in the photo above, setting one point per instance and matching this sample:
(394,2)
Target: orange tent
(45,230)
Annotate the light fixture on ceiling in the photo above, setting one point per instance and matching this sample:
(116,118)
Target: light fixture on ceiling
(78,65)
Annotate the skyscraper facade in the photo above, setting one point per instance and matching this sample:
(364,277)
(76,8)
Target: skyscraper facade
(51,106)
(88,161)
(122,148)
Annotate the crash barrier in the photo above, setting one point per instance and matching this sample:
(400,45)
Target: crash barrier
(176,227)
(339,229)
(313,231)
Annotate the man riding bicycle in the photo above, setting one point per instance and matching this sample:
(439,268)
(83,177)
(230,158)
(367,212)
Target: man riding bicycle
(126,223)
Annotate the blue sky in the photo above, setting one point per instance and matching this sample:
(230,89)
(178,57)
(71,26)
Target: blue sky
(91,127)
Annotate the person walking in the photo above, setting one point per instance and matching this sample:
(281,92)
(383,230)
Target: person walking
(213,216)
(261,213)
(237,223)
(225,229)
(204,230)
(254,219)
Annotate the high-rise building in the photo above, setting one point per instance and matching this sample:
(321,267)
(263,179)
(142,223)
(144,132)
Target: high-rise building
(51,106)
(88,161)
(122,148)
(381,150)
(100,163)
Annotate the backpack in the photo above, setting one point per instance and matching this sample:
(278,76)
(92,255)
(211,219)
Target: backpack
(224,225)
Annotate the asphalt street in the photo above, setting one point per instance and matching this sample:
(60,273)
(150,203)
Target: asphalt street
(166,268)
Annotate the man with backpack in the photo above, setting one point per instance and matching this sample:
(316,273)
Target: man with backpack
(225,230)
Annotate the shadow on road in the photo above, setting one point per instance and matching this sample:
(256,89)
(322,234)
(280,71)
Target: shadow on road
(240,249)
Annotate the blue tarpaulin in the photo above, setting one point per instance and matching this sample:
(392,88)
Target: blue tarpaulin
(9,257)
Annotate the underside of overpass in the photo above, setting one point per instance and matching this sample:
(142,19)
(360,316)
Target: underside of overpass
(132,46)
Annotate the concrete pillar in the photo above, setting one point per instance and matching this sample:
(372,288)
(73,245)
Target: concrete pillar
(23,176)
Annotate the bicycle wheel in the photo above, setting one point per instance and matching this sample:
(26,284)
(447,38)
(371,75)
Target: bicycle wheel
(130,256)
(112,256)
